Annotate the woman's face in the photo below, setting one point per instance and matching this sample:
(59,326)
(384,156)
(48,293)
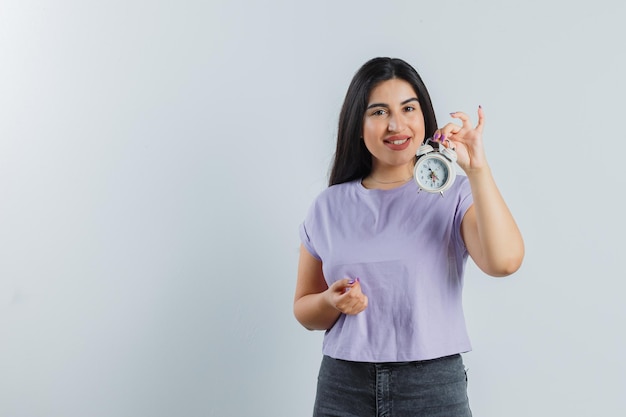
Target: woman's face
(393,125)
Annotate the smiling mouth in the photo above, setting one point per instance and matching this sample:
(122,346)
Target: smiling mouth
(397,142)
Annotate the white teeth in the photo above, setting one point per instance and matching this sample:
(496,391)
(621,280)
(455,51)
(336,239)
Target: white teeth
(398,142)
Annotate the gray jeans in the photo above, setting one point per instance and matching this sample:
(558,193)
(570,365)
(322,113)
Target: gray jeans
(433,388)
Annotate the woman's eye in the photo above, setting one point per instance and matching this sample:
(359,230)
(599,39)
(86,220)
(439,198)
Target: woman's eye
(379,112)
(409,108)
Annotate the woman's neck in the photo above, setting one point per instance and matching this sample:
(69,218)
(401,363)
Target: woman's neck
(386,179)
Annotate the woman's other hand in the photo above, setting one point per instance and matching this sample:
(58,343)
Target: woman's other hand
(347,296)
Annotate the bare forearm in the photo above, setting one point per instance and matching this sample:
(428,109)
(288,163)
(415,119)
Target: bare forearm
(499,241)
(314,312)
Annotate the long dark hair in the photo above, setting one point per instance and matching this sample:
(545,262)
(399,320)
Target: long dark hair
(352,159)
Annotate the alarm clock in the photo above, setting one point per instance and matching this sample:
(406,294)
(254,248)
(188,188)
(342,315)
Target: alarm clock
(435,170)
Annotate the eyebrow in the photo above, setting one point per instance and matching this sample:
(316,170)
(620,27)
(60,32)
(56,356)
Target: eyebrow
(387,105)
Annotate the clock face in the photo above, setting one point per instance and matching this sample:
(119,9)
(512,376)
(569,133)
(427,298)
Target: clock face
(432,173)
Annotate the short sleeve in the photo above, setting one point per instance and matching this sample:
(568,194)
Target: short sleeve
(306,228)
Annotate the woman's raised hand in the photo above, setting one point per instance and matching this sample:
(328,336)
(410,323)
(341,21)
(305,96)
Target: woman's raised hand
(466,139)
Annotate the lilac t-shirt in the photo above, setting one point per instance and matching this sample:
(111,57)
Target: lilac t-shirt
(406,248)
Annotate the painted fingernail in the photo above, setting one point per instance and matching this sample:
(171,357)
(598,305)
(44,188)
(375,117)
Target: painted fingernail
(453,113)
(437,136)
(358,279)
(443,137)
(480,107)
(352,281)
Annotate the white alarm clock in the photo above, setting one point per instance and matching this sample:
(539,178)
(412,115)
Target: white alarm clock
(434,170)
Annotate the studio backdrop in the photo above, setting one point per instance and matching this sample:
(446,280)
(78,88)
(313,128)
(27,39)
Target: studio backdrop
(157,157)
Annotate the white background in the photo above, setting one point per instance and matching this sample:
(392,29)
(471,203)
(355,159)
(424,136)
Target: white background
(157,157)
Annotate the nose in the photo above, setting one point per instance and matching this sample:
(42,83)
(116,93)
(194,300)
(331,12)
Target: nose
(396,123)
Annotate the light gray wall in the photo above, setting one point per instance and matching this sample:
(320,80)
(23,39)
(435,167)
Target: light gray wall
(157,157)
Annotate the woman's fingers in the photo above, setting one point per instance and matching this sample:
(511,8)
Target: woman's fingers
(451,129)
(445,132)
(481,119)
(351,299)
(464,118)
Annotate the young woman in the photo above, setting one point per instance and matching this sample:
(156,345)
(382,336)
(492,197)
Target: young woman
(381,264)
